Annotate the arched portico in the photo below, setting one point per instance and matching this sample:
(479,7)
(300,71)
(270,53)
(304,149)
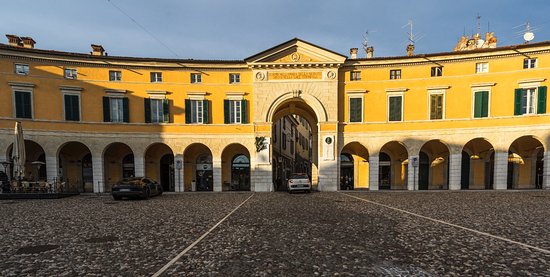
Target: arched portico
(75,166)
(526,163)
(354,167)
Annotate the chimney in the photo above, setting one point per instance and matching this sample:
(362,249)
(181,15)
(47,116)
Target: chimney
(370,52)
(410,50)
(13,40)
(28,42)
(98,50)
(353,53)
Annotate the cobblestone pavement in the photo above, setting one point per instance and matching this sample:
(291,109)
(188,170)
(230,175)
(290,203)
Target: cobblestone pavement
(279,234)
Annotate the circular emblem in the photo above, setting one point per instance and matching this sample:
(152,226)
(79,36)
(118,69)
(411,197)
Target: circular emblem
(331,74)
(204,166)
(260,76)
(295,57)
(328,140)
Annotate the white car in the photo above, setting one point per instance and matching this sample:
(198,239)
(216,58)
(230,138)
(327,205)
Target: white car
(299,181)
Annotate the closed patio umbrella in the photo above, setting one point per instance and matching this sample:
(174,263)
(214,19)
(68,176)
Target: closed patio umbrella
(18,152)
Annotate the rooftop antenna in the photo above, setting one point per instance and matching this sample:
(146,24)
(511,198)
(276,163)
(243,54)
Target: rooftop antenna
(478,18)
(411,34)
(528,35)
(366,40)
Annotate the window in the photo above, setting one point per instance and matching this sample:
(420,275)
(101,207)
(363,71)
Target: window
(115,109)
(196,78)
(234,111)
(284,141)
(436,106)
(395,74)
(291,147)
(196,111)
(21,69)
(482,67)
(23,104)
(71,104)
(355,109)
(437,71)
(156,77)
(70,73)
(481,104)
(156,110)
(529,63)
(355,76)
(234,78)
(395,107)
(115,76)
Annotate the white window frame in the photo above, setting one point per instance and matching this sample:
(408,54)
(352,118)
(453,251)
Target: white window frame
(157,75)
(234,78)
(354,74)
(531,102)
(197,111)
(360,96)
(196,78)
(481,87)
(120,111)
(482,67)
(532,63)
(235,111)
(70,73)
(436,92)
(438,69)
(75,93)
(23,65)
(118,74)
(531,84)
(396,70)
(158,102)
(395,94)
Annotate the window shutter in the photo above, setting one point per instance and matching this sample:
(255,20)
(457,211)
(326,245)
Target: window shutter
(19,106)
(395,109)
(478,104)
(166,110)
(71,108)
(517,101)
(27,104)
(147,108)
(106,109)
(226,112)
(541,103)
(125,110)
(485,104)
(187,111)
(355,110)
(244,112)
(205,112)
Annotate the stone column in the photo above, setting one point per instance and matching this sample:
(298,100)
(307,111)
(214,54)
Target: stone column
(52,167)
(139,166)
(501,170)
(217,174)
(98,172)
(328,175)
(455,165)
(414,162)
(261,177)
(374,166)
(546,171)
(178,173)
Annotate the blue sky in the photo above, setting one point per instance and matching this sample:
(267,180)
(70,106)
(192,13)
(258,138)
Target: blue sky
(236,29)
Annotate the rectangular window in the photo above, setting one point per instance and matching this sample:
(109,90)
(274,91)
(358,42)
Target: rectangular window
(395,74)
(115,76)
(529,63)
(21,69)
(234,111)
(234,78)
(156,77)
(395,108)
(355,76)
(284,141)
(436,106)
(23,104)
(196,78)
(482,67)
(437,71)
(72,107)
(481,104)
(355,109)
(530,100)
(70,73)
(196,111)
(116,109)
(157,112)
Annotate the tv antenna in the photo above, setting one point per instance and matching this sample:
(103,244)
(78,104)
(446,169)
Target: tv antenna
(366,39)
(412,37)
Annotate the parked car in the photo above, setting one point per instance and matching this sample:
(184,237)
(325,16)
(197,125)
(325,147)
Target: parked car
(136,187)
(299,182)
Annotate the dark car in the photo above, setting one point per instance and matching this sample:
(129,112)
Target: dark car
(136,187)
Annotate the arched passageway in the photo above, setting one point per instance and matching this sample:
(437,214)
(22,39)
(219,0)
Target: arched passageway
(118,159)
(35,162)
(75,166)
(354,172)
(525,163)
(159,165)
(393,169)
(198,170)
(478,163)
(433,172)
(235,168)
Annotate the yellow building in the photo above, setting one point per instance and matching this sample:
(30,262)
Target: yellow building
(473,119)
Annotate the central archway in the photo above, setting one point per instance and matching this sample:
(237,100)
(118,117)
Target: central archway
(294,136)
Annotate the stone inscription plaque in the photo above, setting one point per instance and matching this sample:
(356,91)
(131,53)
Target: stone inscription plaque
(295,75)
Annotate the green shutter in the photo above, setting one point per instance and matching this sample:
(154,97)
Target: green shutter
(395,109)
(106,109)
(244,112)
(226,113)
(19,104)
(541,103)
(187,111)
(517,101)
(68,107)
(355,110)
(147,108)
(478,104)
(205,112)
(166,110)
(71,108)
(125,110)
(27,103)
(485,104)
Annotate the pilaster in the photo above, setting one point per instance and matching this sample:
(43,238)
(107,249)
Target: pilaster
(217,174)
(98,172)
(455,165)
(501,170)
(178,173)
(374,164)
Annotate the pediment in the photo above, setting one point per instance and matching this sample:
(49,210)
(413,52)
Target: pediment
(296,51)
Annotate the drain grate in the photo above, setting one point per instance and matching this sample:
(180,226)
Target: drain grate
(35,249)
(102,239)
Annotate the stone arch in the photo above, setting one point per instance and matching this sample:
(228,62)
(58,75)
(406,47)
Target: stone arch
(34,152)
(235,178)
(477,164)
(359,173)
(434,158)
(159,164)
(393,174)
(76,171)
(526,163)
(198,167)
(311,101)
